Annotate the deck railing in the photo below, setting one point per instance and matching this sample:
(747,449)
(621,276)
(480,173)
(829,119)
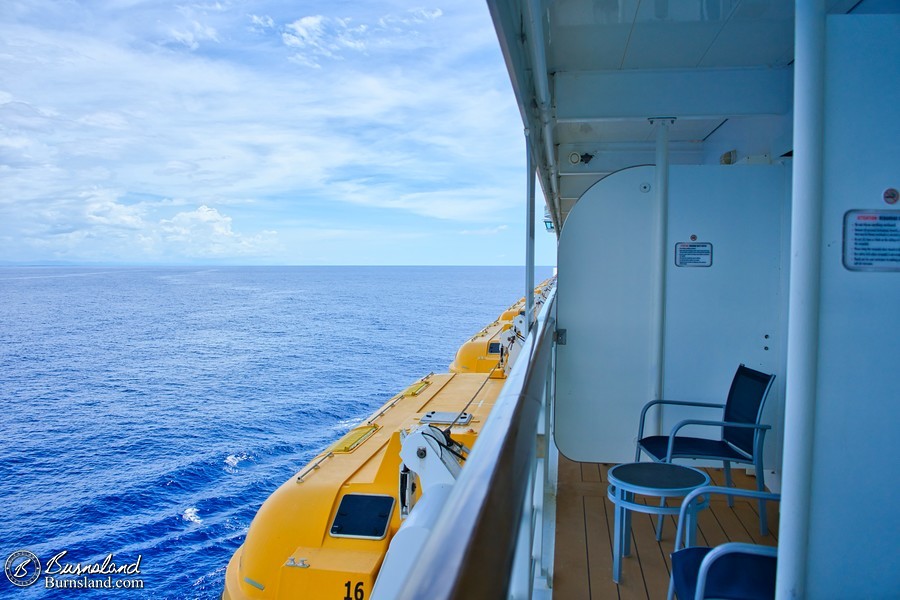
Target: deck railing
(490,541)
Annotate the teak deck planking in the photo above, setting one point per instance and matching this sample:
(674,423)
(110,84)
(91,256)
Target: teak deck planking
(584,528)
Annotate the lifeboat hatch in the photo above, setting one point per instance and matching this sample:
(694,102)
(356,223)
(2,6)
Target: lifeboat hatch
(353,439)
(363,516)
(446,418)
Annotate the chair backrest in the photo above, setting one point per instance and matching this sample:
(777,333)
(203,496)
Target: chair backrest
(745,402)
(748,576)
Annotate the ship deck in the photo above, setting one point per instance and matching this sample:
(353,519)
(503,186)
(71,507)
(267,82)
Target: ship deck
(584,529)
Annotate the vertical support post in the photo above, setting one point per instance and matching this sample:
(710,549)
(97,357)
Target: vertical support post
(522,573)
(550,474)
(659,271)
(803,301)
(529,235)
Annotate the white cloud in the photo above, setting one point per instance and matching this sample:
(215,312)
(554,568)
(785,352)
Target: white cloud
(191,24)
(308,31)
(414,16)
(101,208)
(104,119)
(317,37)
(485,231)
(178,167)
(206,233)
(204,220)
(119,120)
(194,33)
(445,202)
(261,23)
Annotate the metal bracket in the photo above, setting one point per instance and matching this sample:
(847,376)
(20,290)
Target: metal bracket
(446,417)
(559,336)
(303,564)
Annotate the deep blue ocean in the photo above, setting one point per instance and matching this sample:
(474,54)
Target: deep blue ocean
(150,411)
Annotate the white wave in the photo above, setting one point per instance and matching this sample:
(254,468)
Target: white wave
(190,515)
(346,424)
(232,461)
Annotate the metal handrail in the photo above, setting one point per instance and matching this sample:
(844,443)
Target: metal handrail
(470,552)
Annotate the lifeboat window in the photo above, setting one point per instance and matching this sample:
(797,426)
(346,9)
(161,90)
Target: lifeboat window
(494,348)
(363,516)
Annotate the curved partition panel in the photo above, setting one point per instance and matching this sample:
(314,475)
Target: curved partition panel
(607,251)
(724,301)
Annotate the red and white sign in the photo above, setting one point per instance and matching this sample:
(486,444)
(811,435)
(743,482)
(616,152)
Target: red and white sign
(872,240)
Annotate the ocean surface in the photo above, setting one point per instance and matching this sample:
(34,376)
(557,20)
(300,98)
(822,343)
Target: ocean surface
(148,412)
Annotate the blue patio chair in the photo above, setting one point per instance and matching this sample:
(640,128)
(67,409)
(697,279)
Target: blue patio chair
(734,570)
(742,435)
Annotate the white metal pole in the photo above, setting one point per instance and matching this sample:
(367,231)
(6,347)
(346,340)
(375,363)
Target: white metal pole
(522,574)
(529,236)
(534,27)
(803,301)
(659,274)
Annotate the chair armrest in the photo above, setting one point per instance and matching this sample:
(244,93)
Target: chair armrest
(727,548)
(722,491)
(687,422)
(673,403)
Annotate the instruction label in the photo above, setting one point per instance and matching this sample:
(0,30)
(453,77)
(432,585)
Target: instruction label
(693,254)
(872,240)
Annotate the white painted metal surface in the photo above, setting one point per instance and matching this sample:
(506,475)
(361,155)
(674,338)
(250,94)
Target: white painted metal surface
(659,269)
(731,312)
(848,453)
(715,318)
(408,542)
(604,302)
(436,471)
(529,234)
(803,333)
(613,65)
(618,95)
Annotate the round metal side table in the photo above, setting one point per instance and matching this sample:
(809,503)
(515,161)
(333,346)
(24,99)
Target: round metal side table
(660,480)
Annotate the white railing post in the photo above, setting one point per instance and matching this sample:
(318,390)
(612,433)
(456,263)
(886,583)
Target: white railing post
(520,582)
(529,235)
(546,471)
(550,475)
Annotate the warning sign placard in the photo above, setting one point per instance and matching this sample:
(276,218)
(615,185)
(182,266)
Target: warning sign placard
(872,240)
(693,254)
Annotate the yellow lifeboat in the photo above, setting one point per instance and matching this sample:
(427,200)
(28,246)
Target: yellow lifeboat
(325,532)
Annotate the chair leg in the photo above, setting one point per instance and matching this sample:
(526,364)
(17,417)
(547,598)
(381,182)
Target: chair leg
(617,543)
(659,520)
(728,482)
(626,541)
(761,486)
(622,533)
(690,525)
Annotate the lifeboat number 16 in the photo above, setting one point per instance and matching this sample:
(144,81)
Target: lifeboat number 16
(359,593)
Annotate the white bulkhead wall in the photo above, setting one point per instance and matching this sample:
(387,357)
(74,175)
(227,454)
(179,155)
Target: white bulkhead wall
(716,317)
(734,311)
(853,529)
(604,302)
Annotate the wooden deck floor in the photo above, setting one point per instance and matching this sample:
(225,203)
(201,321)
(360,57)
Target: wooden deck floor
(584,529)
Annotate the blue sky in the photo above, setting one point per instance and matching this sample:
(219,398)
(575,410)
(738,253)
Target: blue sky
(257,132)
